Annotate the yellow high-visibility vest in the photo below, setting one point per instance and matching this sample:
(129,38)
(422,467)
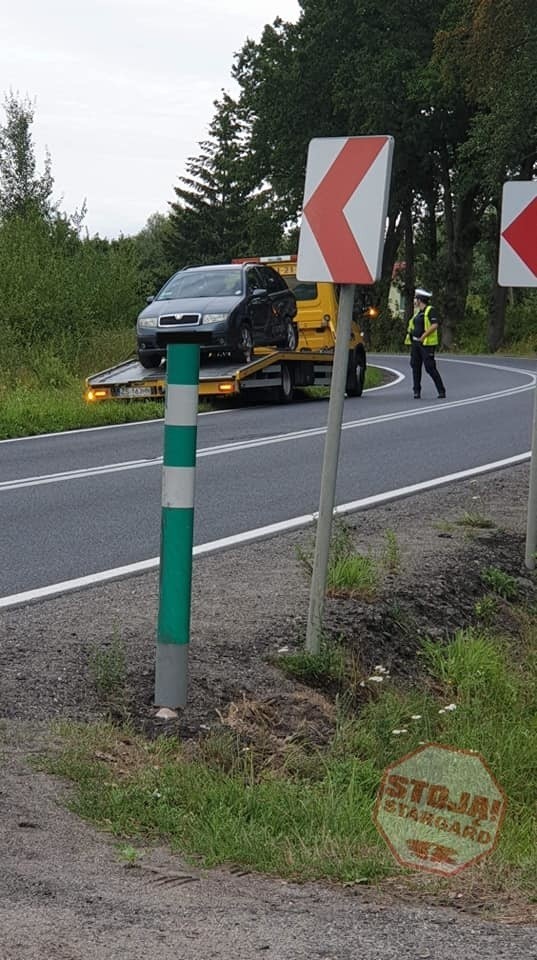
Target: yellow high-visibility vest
(431,340)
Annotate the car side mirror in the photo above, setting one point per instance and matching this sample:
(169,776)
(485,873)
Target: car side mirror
(259,293)
(150,298)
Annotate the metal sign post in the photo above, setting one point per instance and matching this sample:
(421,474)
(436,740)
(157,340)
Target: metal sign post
(531,526)
(329,469)
(517,267)
(178,476)
(341,241)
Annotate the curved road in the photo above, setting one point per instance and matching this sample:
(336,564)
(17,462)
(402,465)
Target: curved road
(78,504)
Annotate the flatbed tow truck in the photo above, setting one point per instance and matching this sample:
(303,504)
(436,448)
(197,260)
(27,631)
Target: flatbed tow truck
(277,371)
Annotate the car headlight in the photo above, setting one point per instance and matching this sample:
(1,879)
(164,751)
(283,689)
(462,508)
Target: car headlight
(145,322)
(214,317)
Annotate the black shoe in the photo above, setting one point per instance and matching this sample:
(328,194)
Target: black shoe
(417,395)
(442,396)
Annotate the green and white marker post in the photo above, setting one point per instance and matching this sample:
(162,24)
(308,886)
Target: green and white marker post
(178,480)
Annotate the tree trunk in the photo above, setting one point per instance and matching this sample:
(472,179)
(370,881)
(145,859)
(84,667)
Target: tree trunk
(410,272)
(462,234)
(496,325)
(391,246)
(456,290)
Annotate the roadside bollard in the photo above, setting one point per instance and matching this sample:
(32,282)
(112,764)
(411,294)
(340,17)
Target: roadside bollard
(177,522)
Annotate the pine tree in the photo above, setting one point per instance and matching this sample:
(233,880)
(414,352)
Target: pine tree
(218,213)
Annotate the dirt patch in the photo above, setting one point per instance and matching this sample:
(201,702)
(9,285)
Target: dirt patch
(249,605)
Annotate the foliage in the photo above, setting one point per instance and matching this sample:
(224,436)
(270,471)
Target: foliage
(155,265)
(108,666)
(476,520)
(501,583)
(60,294)
(349,572)
(520,325)
(23,191)
(326,667)
(451,81)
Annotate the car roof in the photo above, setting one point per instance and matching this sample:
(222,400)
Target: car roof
(213,266)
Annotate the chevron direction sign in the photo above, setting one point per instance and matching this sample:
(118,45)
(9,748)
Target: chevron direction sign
(344,210)
(518,235)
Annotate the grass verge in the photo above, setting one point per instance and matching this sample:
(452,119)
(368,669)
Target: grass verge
(307,812)
(32,408)
(26,411)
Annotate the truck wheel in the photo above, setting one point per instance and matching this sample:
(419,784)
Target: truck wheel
(355,374)
(291,336)
(148,360)
(244,350)
(287,389)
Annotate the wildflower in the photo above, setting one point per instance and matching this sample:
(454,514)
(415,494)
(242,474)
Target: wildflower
(380,669)
(450,707)
(156,795)
(376,678)
(416,716)
(396,733)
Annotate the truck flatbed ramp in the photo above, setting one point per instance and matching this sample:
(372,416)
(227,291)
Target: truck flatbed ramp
(269,370)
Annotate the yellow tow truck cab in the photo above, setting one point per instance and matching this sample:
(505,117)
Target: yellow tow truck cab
(317,307)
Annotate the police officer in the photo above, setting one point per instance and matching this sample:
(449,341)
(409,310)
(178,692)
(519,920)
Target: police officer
(422,336)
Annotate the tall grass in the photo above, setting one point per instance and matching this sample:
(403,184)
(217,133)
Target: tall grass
(61,295)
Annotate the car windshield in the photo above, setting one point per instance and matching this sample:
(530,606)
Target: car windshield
(190,284)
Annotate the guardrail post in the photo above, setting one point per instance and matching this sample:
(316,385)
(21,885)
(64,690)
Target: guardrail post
(177,522)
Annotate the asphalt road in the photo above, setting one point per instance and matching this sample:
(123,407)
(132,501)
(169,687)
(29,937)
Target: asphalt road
(84,502)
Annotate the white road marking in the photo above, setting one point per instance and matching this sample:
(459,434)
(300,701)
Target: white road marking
(143,566)
(234,447)
(210,413)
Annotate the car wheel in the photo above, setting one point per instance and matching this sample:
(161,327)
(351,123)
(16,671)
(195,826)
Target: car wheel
(291,335)
(244,350)
(355,374)
(287,389)
(149,360)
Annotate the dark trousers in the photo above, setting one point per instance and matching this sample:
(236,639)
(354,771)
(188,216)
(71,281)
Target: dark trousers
(422,356)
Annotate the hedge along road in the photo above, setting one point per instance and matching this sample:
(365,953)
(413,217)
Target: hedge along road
(84,506)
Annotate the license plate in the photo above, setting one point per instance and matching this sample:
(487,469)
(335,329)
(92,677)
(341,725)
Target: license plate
(134,392)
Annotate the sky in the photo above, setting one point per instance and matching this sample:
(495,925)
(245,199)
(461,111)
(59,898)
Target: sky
(123,92)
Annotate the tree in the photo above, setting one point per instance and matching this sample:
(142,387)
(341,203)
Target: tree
(22,190)
(220,212)
(151,246)
(345,68)
(489,51)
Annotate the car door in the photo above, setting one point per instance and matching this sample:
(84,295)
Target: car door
(258,306)
(279,297)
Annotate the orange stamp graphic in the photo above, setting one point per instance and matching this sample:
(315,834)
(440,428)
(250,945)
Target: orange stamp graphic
(440,809)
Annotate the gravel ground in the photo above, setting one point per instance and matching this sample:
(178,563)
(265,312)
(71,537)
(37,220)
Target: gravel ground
(63,892)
